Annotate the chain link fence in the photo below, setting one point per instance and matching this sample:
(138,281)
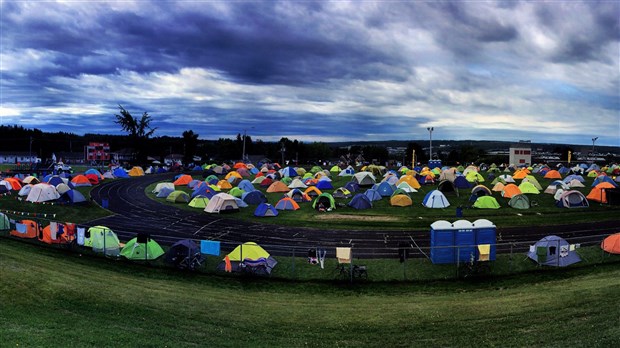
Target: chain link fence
(316,262)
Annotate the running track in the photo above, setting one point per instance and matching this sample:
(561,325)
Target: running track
(134,212)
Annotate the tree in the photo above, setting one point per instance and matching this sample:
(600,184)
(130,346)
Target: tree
(190,143)
(139,130)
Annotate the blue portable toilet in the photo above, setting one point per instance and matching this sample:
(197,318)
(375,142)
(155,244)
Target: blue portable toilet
(459,241)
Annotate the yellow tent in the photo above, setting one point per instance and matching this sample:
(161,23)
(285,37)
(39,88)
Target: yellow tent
(248,251)
(136,171)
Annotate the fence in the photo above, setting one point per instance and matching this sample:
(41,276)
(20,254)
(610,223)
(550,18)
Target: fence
(319,262)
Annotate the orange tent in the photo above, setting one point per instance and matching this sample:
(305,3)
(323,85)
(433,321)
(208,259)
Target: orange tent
(312,191)
(409,179)
(67,235)
(598,193)
(233,173)
(81,180)
(278,186)
(510,190)
(15,184)
(611,244)
(26,229)
(553,174)
(224,185)
(520,174)
(240,165)
(183,180)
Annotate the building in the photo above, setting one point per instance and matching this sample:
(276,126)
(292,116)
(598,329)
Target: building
(520,154)
(14,157)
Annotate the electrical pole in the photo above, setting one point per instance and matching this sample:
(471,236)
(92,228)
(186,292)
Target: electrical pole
(593,141)
(430,134)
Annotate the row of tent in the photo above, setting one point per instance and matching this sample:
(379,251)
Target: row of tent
(249,257)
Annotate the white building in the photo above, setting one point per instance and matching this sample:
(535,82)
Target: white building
(520,154)
(14,157)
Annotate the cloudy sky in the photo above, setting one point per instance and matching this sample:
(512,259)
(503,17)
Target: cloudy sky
(317,70)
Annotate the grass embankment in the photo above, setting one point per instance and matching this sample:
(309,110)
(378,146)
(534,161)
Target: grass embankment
(384,216)
(50,298)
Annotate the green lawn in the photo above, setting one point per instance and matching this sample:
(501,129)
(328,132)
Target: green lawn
(417,217)
(51,298)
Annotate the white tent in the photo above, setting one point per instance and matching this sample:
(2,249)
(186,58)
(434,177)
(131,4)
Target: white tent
(42,193)
(221,203)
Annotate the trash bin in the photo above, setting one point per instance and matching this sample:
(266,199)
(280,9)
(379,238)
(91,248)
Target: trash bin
(104,203)
(459,212)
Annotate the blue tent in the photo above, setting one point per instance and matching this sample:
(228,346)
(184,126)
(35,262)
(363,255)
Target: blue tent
(120,173)
(255,197)
(164,192)
(352,186)
(324,185)
(73,196)
(435,199)
(575,177)
(246,185)
(241,203)
(289,171)
(93,171)
(55,180)
(373,195)
(197,168)
(553,251)
(203,190)
(265,210)
(161,170)
(460,182)
(385,189)
(360,202)
(563,170)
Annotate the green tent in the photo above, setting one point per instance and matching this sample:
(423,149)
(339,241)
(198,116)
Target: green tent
(178,197)
(519,201)
(287,180)
(474,176)
(327,199)
(532,179)
(248,251)
(486,202)
(316,169)
(400,191)
(5,225)
(335,169)
(308,176)
(144,249)
(236,192)
(199,202)
(528,187)
(103,240)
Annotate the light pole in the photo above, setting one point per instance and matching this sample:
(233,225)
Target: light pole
(245,131)
(430,134)
(593,141)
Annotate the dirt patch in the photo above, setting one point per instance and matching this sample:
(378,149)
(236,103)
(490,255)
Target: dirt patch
(330,216)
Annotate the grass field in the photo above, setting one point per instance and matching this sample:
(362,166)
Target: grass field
(545,213)
(51,298)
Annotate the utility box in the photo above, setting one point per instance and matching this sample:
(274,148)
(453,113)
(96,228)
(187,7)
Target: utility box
(458,241)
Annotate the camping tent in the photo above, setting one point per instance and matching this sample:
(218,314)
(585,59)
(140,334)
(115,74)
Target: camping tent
(611,244)
(161,185)
(401,200)
(373,195)
(287,203)
(182,253)
(360,202)
(199,202)
(528,187)
(178,197)
(486,202)
(277,186)
(598,193)
(342,192)
(435,199)
(572,199)
(324,200)
(553,251)
(364,179)
(254,198)
(519,201)
(251,258)
(265,210)
(222,203)
(510,191)
(73,196)
(120,173)
(164,192)
(5,225)
(411,180)
(447,186)
(385,189)
(183,180)
(25,229)
(42,193)
(103,240)
(142,248)
(135,171)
